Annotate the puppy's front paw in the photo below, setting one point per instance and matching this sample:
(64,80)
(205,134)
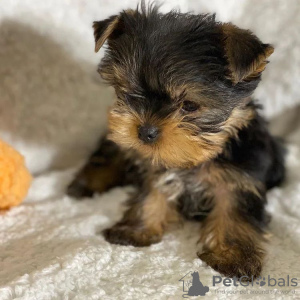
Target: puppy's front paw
(131,235)
(78,190)
(235,261)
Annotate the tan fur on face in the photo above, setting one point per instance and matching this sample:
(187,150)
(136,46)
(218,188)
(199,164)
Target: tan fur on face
(177,145)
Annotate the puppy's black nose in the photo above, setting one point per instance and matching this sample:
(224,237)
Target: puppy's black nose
(148,133)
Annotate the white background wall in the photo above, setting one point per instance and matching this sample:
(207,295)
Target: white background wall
(73,125)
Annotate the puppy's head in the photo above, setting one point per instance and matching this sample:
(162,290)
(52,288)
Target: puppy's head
(182,82)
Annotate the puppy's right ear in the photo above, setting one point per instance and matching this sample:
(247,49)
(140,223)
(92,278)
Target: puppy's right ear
(106,29)
(246,54)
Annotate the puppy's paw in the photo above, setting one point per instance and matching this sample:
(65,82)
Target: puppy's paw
(78,190)
(131,235)
(235,261)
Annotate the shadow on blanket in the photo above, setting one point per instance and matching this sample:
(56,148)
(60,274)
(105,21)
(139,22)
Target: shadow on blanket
(48,99)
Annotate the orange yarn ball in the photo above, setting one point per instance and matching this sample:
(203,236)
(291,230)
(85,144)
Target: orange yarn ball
(15,179)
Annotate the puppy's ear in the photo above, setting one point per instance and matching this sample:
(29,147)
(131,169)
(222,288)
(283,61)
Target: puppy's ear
(246,54)
(106,29)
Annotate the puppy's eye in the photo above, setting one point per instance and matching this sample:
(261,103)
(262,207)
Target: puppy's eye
(189,106)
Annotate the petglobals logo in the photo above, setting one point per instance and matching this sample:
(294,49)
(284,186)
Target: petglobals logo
(268,281)
(192,286)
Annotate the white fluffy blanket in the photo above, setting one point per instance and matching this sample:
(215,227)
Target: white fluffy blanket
(52,109)
(50,248)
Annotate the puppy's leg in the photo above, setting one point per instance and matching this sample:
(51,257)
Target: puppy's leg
(107,167)
(232,234)
(147,217)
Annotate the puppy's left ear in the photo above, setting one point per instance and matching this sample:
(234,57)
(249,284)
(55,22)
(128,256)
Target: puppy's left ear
(246,54)
(105,29)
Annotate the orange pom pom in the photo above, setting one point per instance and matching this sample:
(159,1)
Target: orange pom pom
(14,177)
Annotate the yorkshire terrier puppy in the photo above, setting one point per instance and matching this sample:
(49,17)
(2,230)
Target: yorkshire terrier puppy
(186,132)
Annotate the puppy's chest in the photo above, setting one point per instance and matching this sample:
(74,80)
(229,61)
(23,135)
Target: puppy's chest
(188,188)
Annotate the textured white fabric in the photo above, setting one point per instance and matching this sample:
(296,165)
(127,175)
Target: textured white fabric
(52,109)
(51,249)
